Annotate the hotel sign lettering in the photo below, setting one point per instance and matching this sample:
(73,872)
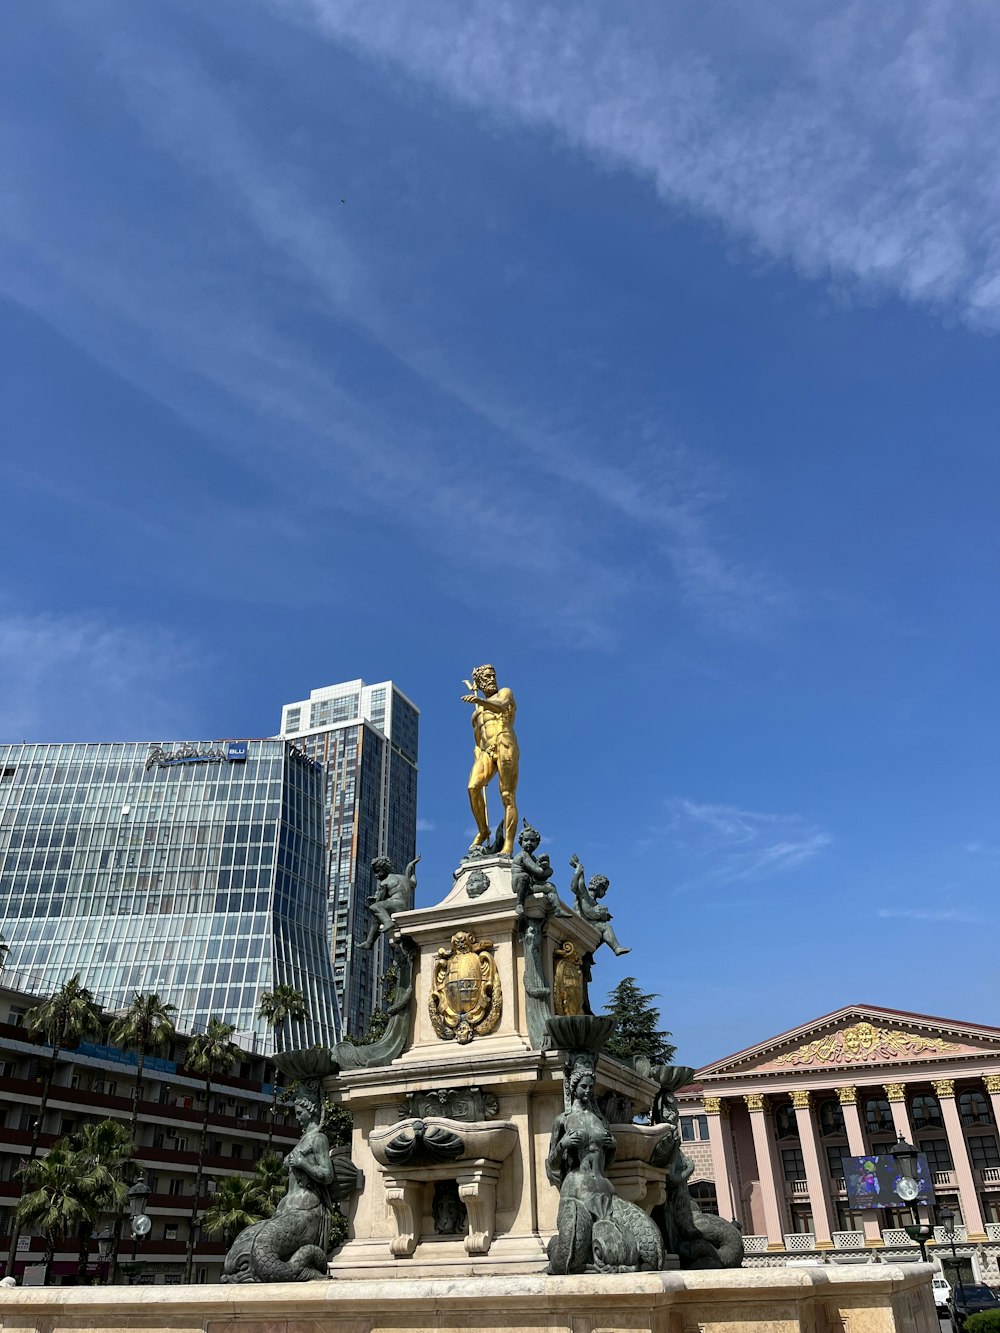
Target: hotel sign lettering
(160,757)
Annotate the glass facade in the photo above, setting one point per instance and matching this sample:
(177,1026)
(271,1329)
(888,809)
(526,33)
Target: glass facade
(365,736)
(194,870)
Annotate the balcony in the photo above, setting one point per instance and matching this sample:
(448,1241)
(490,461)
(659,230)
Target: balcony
(799,1241)
(848,1240)
(944,1179)
(799,1189)
(989,1175)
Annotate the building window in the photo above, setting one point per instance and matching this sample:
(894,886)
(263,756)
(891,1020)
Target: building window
(926,1112)
(938,1154)
(704,1195)
(785,1126)
(974,1109)
(983,1150)
(878,1116)
(831,1117)
(170,1231)
(16,1015)
(176,1187)
(835,1160)
(792,1165)
(694,1127)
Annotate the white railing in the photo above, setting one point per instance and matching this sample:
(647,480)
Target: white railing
(944,1178)
(800,1189)
(896,1236)
(990,1175)
(993,1230)
(800,1240)
(764,1260)
(840,1185)
(754,1244)
(960,1237)
(848,1240)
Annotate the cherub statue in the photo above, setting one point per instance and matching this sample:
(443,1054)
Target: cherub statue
(589,906)
(531,873)
(394,894)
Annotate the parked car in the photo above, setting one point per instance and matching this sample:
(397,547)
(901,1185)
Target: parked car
(942,1291)
(969,1298)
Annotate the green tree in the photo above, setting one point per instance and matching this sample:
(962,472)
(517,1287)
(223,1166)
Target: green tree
(64,1019)
(379,1020)
(270,1180)
(278,1008)
(237,1203)
(56,1201)
(637,1028)
(210,1052)
(146,1028)
(103,1155)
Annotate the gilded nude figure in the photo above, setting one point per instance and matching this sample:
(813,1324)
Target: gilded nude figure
(496,753)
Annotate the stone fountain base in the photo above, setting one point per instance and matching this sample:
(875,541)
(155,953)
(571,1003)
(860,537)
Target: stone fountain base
(885,1299)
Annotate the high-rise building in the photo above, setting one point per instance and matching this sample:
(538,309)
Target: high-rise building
(193,870)
(366,738)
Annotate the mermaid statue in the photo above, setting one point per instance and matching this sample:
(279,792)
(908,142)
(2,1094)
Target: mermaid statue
(598,1232)
(291,1246)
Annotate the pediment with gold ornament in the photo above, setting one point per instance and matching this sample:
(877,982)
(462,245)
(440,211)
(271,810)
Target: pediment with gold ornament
(851,1039)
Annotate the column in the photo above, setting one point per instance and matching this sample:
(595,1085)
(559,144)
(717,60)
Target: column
(896,1092)
(992,1084)
(856,1142)
(723,1158)
(763,1143)
(819,1196)
(964,1174)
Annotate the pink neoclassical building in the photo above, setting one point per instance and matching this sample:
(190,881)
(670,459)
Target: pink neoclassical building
(769,1126)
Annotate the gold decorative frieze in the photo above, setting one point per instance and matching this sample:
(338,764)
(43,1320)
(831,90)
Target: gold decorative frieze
(992,1082)
(465,999)
(567,989)
(754,1101)
(944,1087)
(848,1095)
(896,1092)
(863,1043)
(713,1105)
(800,1097)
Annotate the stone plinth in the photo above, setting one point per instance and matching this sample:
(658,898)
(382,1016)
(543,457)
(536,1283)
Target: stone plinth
(885,1299)
(500,1171)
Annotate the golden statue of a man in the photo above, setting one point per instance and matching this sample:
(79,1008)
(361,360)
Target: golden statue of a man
(496,752)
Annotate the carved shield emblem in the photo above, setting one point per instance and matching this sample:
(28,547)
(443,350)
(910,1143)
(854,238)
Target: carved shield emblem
(465,996)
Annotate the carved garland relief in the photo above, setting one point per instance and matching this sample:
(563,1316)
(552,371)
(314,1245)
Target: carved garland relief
(863,1042)
(465,998)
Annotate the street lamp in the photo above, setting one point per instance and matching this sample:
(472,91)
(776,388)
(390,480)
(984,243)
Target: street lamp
(908,1190)
(105,1239)
(141,1225)
(947,1217)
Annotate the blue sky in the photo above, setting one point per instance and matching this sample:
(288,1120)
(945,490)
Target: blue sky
(649,353)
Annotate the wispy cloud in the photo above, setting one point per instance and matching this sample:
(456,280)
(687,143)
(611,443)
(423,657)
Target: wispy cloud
(863,148)
(181,322)
(426,826)
(931,914)
(84,678)
(727,843)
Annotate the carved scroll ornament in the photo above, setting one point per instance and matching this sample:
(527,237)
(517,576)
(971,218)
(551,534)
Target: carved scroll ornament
(861,1043)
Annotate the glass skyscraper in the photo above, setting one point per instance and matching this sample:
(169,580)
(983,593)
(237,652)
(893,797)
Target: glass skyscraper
(193,870)
(365,736)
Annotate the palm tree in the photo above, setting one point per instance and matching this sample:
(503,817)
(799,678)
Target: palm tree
(104,1152)
(270,1178)
(237,1204)
(277,1007)
(64,1019)
(211,1052)
(56,1202)
(147,1027)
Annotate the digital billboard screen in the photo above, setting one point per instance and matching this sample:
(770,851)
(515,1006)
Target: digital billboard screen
(877,1182)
